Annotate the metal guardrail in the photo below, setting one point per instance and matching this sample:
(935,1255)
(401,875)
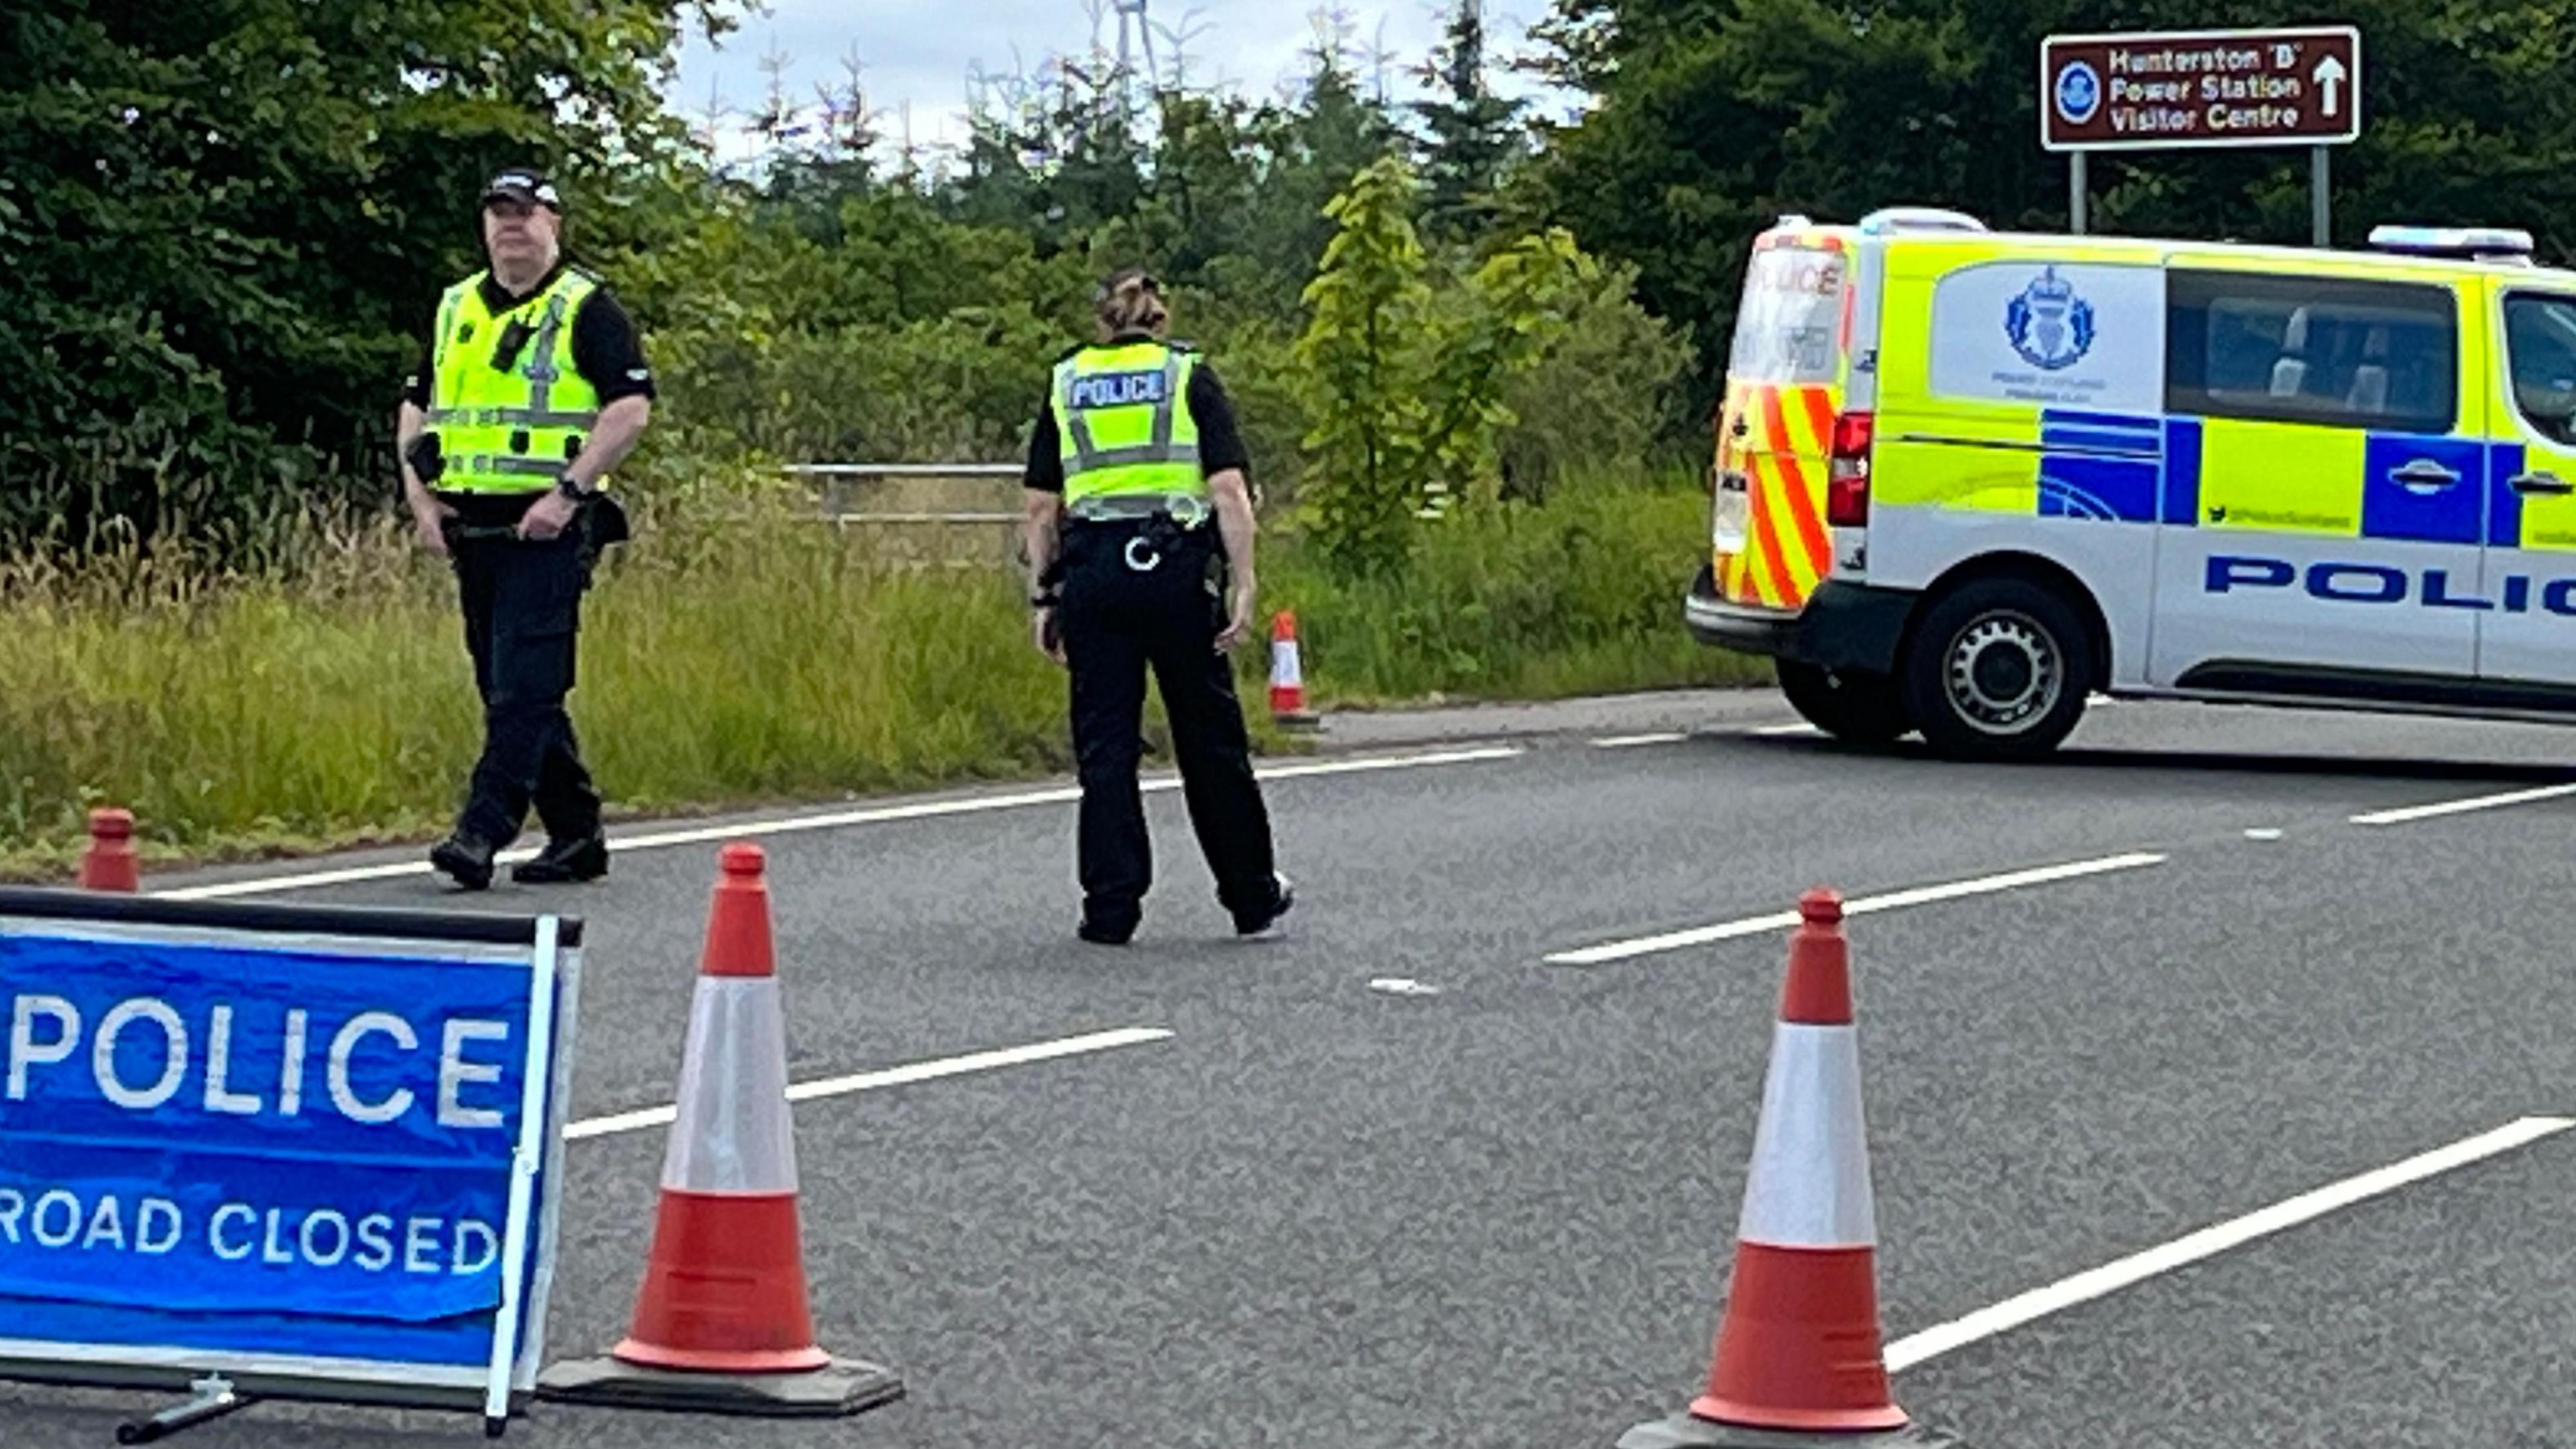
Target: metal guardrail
(910,470)
(1439,503)
(905,470)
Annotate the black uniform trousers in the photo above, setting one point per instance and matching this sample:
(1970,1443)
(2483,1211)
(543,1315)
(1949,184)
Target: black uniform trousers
(1117,621)
(522,620)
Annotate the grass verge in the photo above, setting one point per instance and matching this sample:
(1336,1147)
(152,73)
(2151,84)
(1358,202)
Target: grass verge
(323,699)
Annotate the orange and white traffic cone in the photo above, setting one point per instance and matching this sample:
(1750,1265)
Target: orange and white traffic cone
(1287,674)
(1798,1359)
(721,1324)
(110,863)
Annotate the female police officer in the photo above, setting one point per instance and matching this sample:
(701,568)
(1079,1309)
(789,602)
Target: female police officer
(534,387)
(1134,450)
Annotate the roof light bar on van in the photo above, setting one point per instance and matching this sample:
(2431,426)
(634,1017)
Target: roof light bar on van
(1917,218)
(2452,241)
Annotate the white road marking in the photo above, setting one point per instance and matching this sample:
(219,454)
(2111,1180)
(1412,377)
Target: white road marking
(1360,767)
(1630,742)
(1894,900)
(2463,807)
(2209,1242)
(839,820)
(1789,729)
(905,1075)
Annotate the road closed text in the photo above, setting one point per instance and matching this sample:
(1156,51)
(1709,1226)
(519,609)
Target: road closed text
(61,1220)
(369,1068)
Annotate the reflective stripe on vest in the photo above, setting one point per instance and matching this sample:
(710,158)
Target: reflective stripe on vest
(514,431)
(1125,423)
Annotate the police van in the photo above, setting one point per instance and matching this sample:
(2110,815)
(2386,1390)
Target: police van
(1963,479)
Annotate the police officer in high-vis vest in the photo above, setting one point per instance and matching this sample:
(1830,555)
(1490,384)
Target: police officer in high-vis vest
(534,387)
(1139,533)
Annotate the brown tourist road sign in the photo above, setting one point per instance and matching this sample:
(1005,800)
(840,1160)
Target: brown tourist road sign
(2290,87)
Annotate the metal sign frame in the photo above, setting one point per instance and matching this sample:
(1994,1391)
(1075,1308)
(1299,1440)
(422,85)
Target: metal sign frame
(549,947)
(2275,35)
(2320,148)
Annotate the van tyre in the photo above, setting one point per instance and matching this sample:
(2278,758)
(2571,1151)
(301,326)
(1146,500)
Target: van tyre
(1998,669)
(1860,709)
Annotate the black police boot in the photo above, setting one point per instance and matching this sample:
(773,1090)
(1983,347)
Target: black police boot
(1108,928)
(465,857)
(565,861)
(1259,922)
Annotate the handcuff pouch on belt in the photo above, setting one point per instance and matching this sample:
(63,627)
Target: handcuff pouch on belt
(1162,532)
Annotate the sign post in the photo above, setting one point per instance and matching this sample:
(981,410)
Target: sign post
(2189,90)
(280,1152)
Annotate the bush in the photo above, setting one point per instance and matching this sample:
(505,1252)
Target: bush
(1601,403)
(1516,601)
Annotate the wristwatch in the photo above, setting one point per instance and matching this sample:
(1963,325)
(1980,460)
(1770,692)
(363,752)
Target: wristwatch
(568,488)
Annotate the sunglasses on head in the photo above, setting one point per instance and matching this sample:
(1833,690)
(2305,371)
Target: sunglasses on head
(1142,281)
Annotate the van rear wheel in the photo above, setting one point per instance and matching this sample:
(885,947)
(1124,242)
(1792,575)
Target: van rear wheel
(1862,709)
(1998,669)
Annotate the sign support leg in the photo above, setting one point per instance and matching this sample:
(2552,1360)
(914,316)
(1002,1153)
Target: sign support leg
(215,1399)
(2320,199)
(2077,199)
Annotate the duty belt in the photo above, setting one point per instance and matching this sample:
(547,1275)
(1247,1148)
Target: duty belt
(1166,516)
(1188,510)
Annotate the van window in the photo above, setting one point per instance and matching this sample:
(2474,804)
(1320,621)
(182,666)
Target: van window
(1788,329)
(2329,352)
(2540,341)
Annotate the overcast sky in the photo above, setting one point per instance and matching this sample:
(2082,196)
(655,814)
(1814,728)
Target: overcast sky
(921,51)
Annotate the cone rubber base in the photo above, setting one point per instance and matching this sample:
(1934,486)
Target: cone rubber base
(847,1387)
(1689,1431)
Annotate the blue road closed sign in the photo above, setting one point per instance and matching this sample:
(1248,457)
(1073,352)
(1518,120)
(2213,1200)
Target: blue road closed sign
(314,1150)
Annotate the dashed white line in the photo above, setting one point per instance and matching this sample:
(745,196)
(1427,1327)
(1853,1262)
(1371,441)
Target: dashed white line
(1630,742)
(1101,1041)
(1801,728)
(2463,807)
(2211,1241)
(1864,905)
(839,820)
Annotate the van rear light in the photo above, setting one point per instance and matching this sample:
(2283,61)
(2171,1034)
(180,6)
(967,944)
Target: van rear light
(1847,476)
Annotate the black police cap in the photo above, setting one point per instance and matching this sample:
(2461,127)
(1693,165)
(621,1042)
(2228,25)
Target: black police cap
(525,186)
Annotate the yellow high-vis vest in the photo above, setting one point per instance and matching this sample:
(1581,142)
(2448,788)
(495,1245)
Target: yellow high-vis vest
(509,431)
(1124,426)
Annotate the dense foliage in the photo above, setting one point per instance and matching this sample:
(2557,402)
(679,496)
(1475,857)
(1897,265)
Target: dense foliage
(222,226)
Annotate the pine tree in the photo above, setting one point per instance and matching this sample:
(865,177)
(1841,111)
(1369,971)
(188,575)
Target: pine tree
(1470,130)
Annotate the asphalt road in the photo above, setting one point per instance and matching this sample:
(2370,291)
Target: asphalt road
(1321,1215)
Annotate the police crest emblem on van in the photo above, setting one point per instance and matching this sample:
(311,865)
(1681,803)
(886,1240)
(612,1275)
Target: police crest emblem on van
(2050,326)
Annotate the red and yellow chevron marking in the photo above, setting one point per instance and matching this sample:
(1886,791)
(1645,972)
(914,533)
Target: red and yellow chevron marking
(1788,550)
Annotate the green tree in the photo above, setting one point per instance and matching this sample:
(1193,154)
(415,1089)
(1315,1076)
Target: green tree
(1713,117)
(223,224)
(1471,130)
(1360,356)
(1408,369)
(1511,312)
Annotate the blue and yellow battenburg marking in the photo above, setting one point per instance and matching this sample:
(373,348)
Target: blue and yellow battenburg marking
(2228,474)
(2102,466)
